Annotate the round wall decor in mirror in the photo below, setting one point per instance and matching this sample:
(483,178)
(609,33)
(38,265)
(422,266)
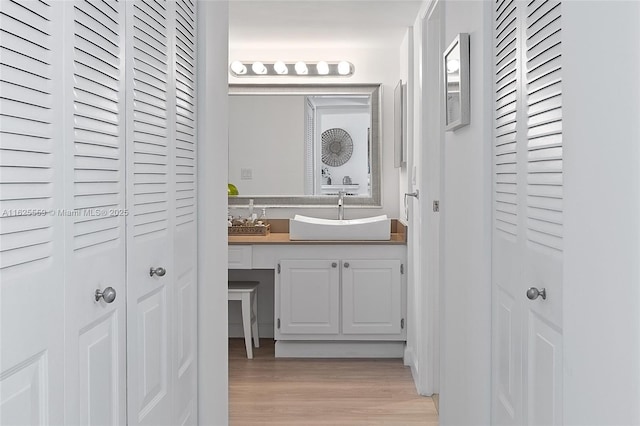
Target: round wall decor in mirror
(337,147)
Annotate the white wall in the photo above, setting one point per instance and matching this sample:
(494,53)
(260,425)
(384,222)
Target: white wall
(266,135)
(371,66)
(466,287)
(601,296)
(212,205)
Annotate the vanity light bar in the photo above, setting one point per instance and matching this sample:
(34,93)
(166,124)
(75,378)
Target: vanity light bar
(292,69)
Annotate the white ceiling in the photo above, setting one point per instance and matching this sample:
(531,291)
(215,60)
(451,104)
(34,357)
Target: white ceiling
(255,24)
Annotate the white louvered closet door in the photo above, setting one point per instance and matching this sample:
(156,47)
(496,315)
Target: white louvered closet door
(161,200)
(31,237)
(95,243)
(185,235)
(527,226)
(149,230)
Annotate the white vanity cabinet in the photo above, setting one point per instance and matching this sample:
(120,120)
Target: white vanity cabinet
(335,300)
(340,299)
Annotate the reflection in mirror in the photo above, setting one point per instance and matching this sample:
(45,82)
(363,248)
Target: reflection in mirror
(456,82)
(452,63)
(302,144)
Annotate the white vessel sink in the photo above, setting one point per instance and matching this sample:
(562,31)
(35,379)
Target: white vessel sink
(312,228)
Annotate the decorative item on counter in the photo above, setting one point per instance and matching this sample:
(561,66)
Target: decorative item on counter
(326,176)
(252,216)
(244,227)
(346,180)
(262,220)
(232,190)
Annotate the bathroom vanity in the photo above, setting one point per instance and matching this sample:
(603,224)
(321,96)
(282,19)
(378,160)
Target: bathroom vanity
(332,298)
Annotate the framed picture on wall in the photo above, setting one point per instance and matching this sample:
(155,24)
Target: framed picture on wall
(455,62)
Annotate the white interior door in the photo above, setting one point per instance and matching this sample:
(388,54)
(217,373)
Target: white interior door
(62,214)
(32,290)
(161,230)
(527,232)
(95,364)
(185,236)
(150,201)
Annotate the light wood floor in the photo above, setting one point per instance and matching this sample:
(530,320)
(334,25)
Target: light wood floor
(309,392)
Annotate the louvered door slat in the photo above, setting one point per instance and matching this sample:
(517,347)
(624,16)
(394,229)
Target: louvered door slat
(26,129)
(505,121)
(150,120)
(185,113)
(544,124)
(97,125)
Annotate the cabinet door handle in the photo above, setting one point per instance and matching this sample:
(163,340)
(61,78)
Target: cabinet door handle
(346,264)
(334,265)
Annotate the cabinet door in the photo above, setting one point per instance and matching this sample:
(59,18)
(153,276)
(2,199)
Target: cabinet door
(371,297)
(309,297)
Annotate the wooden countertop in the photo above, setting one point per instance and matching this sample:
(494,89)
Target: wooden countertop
(280,235)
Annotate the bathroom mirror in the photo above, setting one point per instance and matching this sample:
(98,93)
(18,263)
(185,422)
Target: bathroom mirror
(299,144)
(455,62)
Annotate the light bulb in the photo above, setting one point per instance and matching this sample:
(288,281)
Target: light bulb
(322,67)
(344,68)
(238,68)
(259,68)
(301,68)
(280,68)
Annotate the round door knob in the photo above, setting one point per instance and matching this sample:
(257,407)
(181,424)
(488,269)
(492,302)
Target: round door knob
(533,293)
(334,265)
(159,271)
(108,294)
(346,264)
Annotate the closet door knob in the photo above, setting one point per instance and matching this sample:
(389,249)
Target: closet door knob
(159,271)
(533,293)
(346,264)
(108,294)
(334,265)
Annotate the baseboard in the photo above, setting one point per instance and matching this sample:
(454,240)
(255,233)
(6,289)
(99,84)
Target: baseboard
(306,349)
(264,330)
(408,357)
(411,362)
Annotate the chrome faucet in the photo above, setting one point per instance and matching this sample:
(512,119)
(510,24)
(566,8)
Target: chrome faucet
(341,195)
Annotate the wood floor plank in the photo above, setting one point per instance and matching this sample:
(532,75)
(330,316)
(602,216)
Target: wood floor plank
(337,392)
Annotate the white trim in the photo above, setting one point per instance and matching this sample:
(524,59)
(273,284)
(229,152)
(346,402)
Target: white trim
(213,45)
(323,349)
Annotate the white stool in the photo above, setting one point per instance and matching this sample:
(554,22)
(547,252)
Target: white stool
(247,293)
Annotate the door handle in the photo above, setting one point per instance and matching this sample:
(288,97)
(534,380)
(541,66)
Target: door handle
(159,271)
(533,293)
(108,294)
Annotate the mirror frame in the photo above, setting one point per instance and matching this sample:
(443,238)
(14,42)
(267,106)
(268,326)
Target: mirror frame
(374,91)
